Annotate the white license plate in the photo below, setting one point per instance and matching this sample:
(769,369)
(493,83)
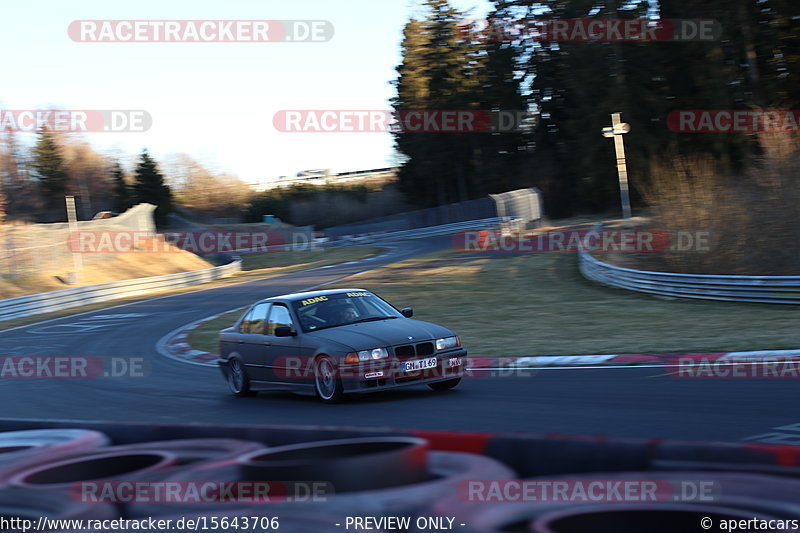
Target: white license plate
(419,364)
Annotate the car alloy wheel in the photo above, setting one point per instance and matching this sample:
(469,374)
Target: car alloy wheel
(328,384)
(237,378)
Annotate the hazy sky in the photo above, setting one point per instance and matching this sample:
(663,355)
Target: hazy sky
(214,101)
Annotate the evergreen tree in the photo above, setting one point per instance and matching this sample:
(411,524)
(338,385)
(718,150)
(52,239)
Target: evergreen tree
(440,71)
(574,87)
(122,194)
(504,156)
(49,168)
(149,187)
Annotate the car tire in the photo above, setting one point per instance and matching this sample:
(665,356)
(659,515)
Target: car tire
(327,383)
(444,385)
(238,380)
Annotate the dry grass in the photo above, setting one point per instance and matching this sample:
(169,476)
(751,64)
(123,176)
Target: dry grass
(255,266)
(753,219)
(539,304)
(124,266)
(206,336)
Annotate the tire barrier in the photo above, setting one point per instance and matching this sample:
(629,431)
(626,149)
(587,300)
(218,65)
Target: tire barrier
(667,518)
(443,473)
(383,473)
(676,498)
(28,444)
(128,458)
(538,455)
(190,451)
(382,462)
(110,464)
(565,454)
(32,504)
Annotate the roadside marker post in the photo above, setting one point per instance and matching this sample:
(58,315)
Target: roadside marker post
(77,259)
(617,130)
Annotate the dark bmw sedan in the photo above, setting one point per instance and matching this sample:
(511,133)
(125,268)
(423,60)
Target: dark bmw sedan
(334,342)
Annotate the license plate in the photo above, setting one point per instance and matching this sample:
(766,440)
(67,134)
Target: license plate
(419,364)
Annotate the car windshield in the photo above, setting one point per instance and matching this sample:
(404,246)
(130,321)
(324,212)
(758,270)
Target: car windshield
(332,310)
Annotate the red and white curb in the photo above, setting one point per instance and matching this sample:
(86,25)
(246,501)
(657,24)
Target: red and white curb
(668,359)
(175,344)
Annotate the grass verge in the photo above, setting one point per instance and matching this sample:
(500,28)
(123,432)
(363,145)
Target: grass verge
(539,304)
(206,336)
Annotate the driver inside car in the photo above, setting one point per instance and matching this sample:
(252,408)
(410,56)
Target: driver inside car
(347,313)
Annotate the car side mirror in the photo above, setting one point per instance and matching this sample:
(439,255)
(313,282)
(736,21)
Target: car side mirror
(407,312)
(284,331)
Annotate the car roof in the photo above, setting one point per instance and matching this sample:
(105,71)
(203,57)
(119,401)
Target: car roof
(309,294)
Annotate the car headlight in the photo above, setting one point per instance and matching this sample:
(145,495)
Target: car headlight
(366,355)
(447,342)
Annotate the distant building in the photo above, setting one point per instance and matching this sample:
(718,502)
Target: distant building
(318,177)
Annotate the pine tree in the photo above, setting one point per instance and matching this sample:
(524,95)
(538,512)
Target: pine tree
(504,156)
(149,187)
(49,168)
(121,193)
(440,71)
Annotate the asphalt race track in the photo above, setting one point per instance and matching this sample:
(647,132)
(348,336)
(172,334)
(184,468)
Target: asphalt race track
(624,402)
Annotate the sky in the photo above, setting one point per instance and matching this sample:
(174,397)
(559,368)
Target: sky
(215,101)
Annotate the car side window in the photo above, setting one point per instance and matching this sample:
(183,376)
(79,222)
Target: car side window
(255,319)
(279,317)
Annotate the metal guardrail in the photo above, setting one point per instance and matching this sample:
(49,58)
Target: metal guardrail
(756,289)
(46,302)
(510,223)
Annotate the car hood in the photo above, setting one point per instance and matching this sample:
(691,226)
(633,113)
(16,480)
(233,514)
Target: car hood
(382,333)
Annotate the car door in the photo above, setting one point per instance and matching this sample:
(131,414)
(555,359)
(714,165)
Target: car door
(283,352)
(253,343)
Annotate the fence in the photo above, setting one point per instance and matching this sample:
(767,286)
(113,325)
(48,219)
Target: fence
(44,248)
(522,204)
(46,302)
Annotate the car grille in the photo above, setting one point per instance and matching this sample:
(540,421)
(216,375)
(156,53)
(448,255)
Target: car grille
(409,351)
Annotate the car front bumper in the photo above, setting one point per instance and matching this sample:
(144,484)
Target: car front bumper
(392,374)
